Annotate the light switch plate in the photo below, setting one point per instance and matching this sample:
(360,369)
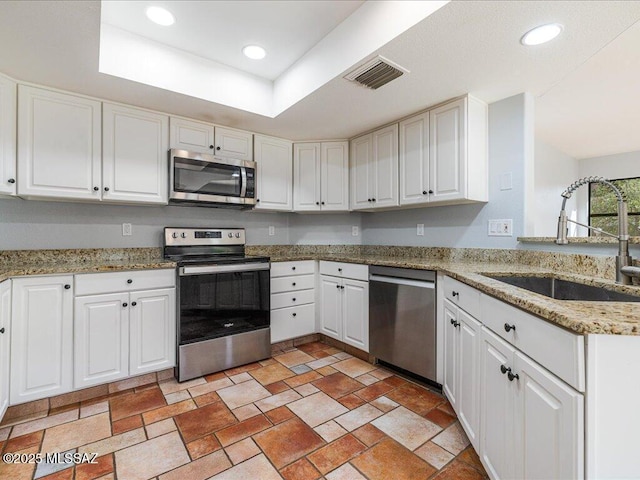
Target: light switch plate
(272,230)
(127,230)
(355,231)
(501,228)
(420,229)
(506,181)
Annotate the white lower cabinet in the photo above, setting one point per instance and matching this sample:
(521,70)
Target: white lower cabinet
(5,322)
(41,337)
(532,423)
(122,334)
(293,309)
(344,308)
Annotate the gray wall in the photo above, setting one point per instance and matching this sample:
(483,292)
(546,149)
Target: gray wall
(510,136)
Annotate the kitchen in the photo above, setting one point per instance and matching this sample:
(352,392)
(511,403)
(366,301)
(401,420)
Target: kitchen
(453,235)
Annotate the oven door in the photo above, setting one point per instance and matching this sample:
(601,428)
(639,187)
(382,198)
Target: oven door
(217,301)
(198,177)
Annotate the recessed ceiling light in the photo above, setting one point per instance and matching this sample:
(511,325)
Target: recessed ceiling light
(541,34)
(254,52)
(161,16)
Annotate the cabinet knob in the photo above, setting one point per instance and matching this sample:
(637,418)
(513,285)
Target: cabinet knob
(294,284)
(133,304)
(513,376)
(508,328)
(455,324)
(12,180)
(321,203)
(293,314)
(455,294)
(67,286)
(504,369)
(339,269)
(2,330)
(211,147)
(257,200)
(424,192)
(373,199)
(106,189)
(95,189)
(430,192)
(293,268)
(368,199)
(342,287)
(337,286)
(124,304)
(317,203)
(293,299)
(217,148)
(129,281)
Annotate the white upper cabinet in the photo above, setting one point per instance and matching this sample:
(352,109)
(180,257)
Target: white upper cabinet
(274,174)
(458,152)
(8,91)
(234,143)
(374,169)
(414,159)
(321,176)
(135,158)
(191,135)
(59,145)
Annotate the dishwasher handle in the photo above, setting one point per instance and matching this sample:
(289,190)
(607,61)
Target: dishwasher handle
(402,281)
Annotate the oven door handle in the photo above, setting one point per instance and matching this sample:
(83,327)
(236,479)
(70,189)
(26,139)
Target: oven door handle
(210,269)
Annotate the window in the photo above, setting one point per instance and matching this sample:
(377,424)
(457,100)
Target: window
(603,206)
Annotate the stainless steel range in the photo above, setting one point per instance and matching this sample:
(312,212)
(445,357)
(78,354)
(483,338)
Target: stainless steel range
(223,300)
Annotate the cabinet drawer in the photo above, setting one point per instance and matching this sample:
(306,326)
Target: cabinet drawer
(292,322)
(556,349)
(464,296)
(345,270)
(291,284)
(98,283)
(290,299)
(281,269)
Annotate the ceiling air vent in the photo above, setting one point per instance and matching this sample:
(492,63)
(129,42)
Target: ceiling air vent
(376,73)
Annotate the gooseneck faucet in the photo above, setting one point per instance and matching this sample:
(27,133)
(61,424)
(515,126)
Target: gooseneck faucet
(624,269)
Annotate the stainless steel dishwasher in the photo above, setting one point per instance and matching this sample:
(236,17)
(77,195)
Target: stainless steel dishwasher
(402,319)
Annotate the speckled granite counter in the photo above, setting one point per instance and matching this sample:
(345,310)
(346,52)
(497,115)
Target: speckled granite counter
(14,263)
(468,265)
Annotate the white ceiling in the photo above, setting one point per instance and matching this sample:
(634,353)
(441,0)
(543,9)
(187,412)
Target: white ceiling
(218,30)
(463,47)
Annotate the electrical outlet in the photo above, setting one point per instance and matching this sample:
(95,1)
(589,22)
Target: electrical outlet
(272,230)
(355,231)
(127,230)
(501,228)
(420,229)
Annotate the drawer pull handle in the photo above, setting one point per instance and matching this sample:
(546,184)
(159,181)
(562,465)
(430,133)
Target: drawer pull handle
(294,299)
(294,284)
(508,328)
(67,286)
(504,369)
(339,269)
(2,330)
(293,268)
(512,376)
(455,294)
(294,314)
(129,281)
(124,305)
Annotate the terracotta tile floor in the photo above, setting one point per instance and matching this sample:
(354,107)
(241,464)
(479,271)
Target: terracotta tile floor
(290,417)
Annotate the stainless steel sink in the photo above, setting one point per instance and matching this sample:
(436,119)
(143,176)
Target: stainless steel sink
(564,289)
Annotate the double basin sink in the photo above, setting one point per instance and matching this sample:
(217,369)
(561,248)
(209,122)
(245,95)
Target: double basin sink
(564,289)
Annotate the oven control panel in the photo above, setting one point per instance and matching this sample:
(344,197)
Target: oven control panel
(203,236)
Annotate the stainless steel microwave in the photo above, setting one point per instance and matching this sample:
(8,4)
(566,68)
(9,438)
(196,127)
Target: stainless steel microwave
(207,180)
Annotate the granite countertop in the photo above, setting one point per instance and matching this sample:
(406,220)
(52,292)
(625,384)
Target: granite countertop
(616,318)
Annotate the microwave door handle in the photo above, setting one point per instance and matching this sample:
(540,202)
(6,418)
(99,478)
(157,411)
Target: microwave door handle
(243,187)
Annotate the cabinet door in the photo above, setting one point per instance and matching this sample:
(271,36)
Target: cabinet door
(355,313)
(447,159)
(496,407)
(152,318)
(7,136)
(468,369)
(192,136)
(101,339)
(59,145)
(234,143)
(274,173)
(334,175)
(361,172)
(41,338)
(385,157)
(331,306)
(306,177)
(135,158)
(450,385)
(414,160)
(549,418)
(5,330)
